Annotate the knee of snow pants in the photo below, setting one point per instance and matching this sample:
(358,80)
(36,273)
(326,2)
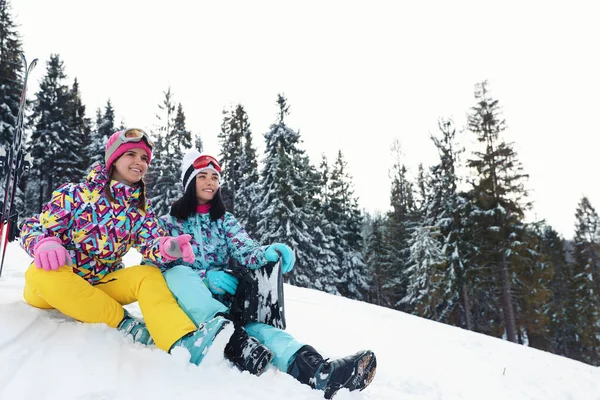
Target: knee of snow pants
(194,298)
(282,344)
(74,296)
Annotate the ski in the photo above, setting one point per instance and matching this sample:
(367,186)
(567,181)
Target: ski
(15,162)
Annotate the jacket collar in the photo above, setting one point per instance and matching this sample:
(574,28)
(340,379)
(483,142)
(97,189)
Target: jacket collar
(98,178)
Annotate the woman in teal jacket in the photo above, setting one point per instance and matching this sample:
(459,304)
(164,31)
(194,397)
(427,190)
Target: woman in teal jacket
(216,237)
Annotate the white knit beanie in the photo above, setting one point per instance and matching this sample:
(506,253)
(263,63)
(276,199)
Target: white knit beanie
(188,172)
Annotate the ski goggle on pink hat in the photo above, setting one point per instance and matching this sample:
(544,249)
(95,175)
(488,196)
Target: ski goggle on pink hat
(122,141)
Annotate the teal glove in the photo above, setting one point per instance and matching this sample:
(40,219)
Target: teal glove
(220,282)
(288,259)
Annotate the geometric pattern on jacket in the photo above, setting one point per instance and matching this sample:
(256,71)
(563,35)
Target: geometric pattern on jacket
(96,232)
(214,242)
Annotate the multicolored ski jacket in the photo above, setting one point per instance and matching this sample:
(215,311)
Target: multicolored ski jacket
(96,232)
(214,242)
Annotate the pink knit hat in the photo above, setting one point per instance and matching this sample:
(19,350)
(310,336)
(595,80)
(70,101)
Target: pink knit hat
(111,155)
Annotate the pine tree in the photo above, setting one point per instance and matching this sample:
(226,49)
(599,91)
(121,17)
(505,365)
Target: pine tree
(560,311)
(51,140)
(235,124)
(11,74)
(155,176)
(499,202)
(345,217)
(444,212)
(327,272)
(173,139)
(79,135)
(533,290)
(376,258)
(11,84)
(248,199)
(198,143)
(182,137)
(283,211)
(399,222)
(586,265)
(105,127)
(425,273)
(423,188)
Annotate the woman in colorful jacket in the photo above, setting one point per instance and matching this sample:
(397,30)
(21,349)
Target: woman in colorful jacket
(217,236)
(78,242)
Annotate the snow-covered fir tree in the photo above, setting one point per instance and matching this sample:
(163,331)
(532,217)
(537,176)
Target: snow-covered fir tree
(400,219)
(376,258)
(182,137)
(499,201)
(283,210)
(326,267)
(586,276)
(198,145)
(425,272)
(173,139)
(80,132)
(53,148)
(11,74)
(104,127)
(248,199)
(560,308)
(423,191)
(235,124)
(344,215)
(560,311)
(533,291)
(11,84)
(443,212)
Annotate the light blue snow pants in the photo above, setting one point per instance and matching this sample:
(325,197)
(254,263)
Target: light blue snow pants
(196,300)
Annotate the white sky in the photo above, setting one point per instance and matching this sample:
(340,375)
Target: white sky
(47,356)
(357,75)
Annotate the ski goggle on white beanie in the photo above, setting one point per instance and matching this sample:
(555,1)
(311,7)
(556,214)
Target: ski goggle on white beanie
(195,162)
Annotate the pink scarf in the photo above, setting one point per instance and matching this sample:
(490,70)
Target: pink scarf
(203,208)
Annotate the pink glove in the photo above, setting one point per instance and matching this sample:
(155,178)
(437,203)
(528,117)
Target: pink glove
(173,248)
(50,254)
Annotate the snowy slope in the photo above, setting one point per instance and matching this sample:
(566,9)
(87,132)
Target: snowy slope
(45,355)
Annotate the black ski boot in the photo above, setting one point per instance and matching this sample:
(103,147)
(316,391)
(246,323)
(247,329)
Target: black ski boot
(354,372)
(246,352)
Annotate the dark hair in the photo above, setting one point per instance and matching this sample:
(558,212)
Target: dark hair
(141,205)
(185,207)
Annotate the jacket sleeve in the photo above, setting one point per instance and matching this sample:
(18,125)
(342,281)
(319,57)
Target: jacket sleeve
(245,250)
(147,239)
(54,220)
(171,227)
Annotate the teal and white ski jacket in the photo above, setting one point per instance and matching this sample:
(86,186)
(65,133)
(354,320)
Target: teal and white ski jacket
(214,242)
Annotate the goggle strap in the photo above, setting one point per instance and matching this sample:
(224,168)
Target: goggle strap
(113,147)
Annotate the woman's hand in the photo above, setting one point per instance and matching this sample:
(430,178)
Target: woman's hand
(288,259)
(50,254)
(173,248)
(220,282)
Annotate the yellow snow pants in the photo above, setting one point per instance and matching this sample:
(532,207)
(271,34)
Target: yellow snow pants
(74,296)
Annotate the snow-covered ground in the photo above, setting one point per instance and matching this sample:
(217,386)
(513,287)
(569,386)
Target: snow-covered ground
(45,355)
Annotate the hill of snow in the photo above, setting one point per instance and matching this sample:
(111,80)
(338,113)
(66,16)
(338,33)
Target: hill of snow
(45,355)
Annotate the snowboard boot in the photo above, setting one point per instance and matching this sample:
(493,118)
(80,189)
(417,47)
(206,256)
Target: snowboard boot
(135,329)
(354,372)
(246,352)
(208,341)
